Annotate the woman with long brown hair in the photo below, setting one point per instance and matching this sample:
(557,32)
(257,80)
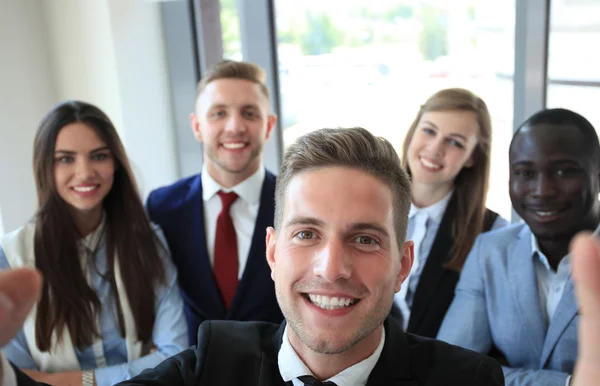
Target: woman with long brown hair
(446,152)
(110,291)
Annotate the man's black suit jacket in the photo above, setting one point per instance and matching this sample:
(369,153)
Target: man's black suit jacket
(245,353)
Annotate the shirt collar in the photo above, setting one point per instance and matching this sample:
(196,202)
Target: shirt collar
(536,252)
(435,211)
(92,240)
(248,190)
(291,366)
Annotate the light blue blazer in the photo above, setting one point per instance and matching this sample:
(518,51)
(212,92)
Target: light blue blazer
(496,303)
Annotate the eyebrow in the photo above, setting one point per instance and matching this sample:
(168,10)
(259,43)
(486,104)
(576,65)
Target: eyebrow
(70,152)
(552,162)
(305,221)
(451,134)
(369,226)
(224,105)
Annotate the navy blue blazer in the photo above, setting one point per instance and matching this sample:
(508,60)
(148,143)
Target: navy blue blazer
(178,209)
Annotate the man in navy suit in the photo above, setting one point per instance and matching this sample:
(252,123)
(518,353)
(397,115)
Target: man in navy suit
(215,222)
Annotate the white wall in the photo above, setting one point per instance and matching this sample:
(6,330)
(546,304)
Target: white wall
(26,93)
(107,52)
(148,124)
(111,53)
(82,54)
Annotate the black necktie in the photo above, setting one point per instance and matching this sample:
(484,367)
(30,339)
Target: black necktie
(312,381)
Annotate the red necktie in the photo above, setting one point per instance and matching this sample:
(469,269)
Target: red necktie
(226,251)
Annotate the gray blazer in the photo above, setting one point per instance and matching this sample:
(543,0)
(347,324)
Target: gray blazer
(496,305)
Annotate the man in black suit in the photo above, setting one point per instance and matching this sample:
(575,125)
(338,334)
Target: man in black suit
(337,256)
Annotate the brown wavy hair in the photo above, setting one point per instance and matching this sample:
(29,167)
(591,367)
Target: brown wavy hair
(67,300)
(471,184)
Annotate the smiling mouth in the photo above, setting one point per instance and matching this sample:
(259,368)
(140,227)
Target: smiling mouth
(430,165)
(85,189)
(547,213)
(234,145)
(330,303)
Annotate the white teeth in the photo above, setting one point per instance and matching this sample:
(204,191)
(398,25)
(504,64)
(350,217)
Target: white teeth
(430,164)
(330,303)
(546,213)
(84,189)
(233,145)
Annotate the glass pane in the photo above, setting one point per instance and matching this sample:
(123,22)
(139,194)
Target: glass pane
(574,64)
(372,63)
(230,30)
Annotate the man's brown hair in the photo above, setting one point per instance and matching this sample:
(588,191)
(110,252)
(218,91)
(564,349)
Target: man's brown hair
(230,69)
(354,148)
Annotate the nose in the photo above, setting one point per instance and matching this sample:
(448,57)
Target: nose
(436,145)
(545,186)
(84,169)
(333,262)
(235,123)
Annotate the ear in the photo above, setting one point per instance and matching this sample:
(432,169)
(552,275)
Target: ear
(406,262)
(270,241)
(196,127)
(271,120)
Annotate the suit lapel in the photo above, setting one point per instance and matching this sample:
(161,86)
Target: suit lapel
(269,369)
(256,262)
(565,312)
(433,270)
(393,366)
(521,273)
(197,248)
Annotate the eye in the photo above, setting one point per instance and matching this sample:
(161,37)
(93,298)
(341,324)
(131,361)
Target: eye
(100,157)
(306,235)
(524,173)
(65,159)
(249,114)
(428,131)
(217,114)
(365,240)
(456,143)
(567,172)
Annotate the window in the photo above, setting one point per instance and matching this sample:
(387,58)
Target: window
(230,30)
(573,63)
(372,63)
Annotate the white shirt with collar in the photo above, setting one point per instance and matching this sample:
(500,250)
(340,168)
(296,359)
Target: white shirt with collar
(550,284)
(291,366)
(244,212)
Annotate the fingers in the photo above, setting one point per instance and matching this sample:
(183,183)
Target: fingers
(19,290)
(586,274)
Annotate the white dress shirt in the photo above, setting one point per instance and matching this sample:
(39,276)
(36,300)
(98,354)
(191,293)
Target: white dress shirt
(8,375)
(243,212)
(550,284)
(291,366)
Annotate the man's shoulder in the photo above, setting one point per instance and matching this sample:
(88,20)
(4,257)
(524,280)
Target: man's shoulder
(501,236)
(435,359)
(238,339)
(172,195)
